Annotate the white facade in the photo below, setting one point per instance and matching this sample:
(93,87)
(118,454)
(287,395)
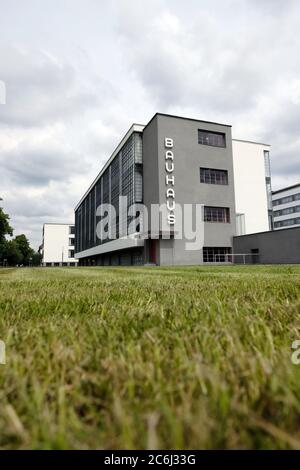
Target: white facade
(250,186)
(58,245)
(286,207)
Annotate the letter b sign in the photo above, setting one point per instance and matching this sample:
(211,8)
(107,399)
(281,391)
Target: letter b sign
(168,142)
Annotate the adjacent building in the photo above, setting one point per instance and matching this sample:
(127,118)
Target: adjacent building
(175,161)
(252,186)
(58,245)
(271,247)
(286,207)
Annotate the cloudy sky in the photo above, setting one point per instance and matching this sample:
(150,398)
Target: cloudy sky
(79,72)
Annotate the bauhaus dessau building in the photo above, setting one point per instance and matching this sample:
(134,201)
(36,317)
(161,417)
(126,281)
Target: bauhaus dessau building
(176,160)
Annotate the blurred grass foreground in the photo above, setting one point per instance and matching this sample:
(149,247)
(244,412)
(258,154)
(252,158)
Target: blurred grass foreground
(189,357)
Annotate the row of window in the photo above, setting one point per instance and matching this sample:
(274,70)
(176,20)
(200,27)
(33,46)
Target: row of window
(213,176)
(115,259)
(286,199)
(123,177)
(287,223)
(216,254)
(56,264)
(214,139)
(287,211)
(210,255)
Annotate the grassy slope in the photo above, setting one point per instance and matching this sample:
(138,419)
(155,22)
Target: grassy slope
(149,357)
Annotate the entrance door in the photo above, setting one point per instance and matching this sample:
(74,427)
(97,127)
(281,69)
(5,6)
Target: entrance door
(255,255)
(152,251)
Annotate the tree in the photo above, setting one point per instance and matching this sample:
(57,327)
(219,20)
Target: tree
(5,229)
(18,250)
(36,259)
(24,248)
(12,253)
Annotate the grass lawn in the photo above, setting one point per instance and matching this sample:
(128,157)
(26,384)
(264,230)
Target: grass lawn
(196,357)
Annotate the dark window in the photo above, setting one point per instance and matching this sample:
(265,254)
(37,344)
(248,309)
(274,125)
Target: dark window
(216,214)
(78,228)
(92,217)
(71,253)
(71,241)
(98,190)
(287,211)
(255,255)
(137,258)
(287,223)
(72,230)
(212,176)
(115,191)
(138,180)
(286,199)
(216,139)
(216,255)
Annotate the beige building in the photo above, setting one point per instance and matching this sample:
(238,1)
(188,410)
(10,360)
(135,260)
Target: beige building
(58,245)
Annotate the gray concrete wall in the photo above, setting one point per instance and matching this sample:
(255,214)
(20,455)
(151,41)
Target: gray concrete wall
(189,156)
(276,247)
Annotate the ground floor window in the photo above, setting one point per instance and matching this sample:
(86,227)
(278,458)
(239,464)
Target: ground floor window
(138,258)
(216,254)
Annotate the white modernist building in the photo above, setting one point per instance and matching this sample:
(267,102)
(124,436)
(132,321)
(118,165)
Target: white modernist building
(252,186)
(286,207)
(173,161)
(58,245)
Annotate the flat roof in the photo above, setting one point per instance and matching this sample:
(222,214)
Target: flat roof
(251,142)
(267,231)
(187,119)
(286,188)
(57,223)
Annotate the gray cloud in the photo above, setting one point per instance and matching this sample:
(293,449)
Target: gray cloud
(40,89)
(274,6)
(208,62)
(39,166)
